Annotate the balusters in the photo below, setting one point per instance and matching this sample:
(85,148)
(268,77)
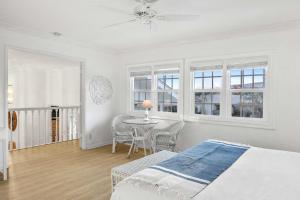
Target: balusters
(72,123)
(11,130)
(32,128)
(56,126)
(39,134)
(76,122)
(66,127)
(78,132)
(62,124)
(18,126)
(25,130)
(46,129)
(68,130)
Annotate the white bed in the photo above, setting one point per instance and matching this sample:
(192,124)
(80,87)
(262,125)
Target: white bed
(259,174)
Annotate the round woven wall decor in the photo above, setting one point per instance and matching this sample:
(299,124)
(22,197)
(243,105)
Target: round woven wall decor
(101,89)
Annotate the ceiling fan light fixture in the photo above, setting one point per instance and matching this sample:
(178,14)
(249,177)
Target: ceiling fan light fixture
(145,14)
(56,34)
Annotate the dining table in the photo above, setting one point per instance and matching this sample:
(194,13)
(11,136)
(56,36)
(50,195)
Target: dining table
(142,132)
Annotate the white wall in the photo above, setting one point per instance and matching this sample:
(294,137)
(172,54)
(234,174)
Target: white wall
(44,87)
(98,118)
(284,49)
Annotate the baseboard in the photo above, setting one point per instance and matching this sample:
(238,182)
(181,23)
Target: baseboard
(98,144)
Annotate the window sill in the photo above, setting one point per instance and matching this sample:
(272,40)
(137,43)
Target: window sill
(236,122)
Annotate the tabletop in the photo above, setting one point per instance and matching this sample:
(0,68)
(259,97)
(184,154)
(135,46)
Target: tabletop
(139,121)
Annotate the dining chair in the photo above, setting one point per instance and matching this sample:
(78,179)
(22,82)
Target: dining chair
(141,135)
(166,139)
(122,133)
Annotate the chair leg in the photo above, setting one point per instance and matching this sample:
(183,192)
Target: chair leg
(131,148)
(145,152)
(114,146)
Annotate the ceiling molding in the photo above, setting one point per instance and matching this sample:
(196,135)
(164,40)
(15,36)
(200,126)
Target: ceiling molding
(235,33)
(61,39)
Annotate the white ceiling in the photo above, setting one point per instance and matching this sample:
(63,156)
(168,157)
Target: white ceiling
(82,21)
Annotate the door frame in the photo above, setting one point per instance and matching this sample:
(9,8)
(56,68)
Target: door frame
(81,61)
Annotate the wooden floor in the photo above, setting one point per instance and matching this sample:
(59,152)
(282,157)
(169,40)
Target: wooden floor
(62,171)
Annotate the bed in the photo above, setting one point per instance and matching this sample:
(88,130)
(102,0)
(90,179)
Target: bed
(236,172)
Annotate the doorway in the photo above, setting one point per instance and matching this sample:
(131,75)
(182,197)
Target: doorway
(44,99)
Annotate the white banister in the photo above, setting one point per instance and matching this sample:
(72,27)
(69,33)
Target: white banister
(30,129)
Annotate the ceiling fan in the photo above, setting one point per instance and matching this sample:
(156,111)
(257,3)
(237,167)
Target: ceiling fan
(145,14)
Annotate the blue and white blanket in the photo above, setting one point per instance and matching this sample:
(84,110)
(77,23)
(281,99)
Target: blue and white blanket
(184,175)
(203,163)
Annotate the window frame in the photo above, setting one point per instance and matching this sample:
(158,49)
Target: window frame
(156,66)
(212,90)
(225,117)
(229,92)
(166,90)
(139,90)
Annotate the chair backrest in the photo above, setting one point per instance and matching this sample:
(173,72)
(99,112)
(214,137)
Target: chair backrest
(118,125)
(176,128)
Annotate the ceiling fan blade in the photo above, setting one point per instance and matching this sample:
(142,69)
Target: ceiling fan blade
(177,17)
(118,23)
(116,10)
(146,1)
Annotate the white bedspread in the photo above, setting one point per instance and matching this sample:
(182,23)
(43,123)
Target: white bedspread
(259,174)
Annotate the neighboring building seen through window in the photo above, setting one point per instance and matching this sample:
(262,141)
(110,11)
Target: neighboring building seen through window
(207,85)
(167,91)
(247,92)
(142,91)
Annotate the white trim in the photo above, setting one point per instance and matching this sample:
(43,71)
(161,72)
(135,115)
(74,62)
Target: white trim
(5,138)
(186,85)
(247,60)
(80,60)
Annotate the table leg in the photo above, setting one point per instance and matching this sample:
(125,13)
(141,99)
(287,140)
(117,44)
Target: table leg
(131,148)
(133,143)
(151,139)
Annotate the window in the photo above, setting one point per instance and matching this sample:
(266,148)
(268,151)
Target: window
(142,85)
(207,85)
(247,87)
(243,96)
(159,83)
(167,91)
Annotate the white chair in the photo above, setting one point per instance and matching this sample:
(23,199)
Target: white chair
(121,132)
(141,135)
(165,139)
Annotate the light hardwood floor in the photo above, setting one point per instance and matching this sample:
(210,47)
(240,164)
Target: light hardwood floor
(62,171)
